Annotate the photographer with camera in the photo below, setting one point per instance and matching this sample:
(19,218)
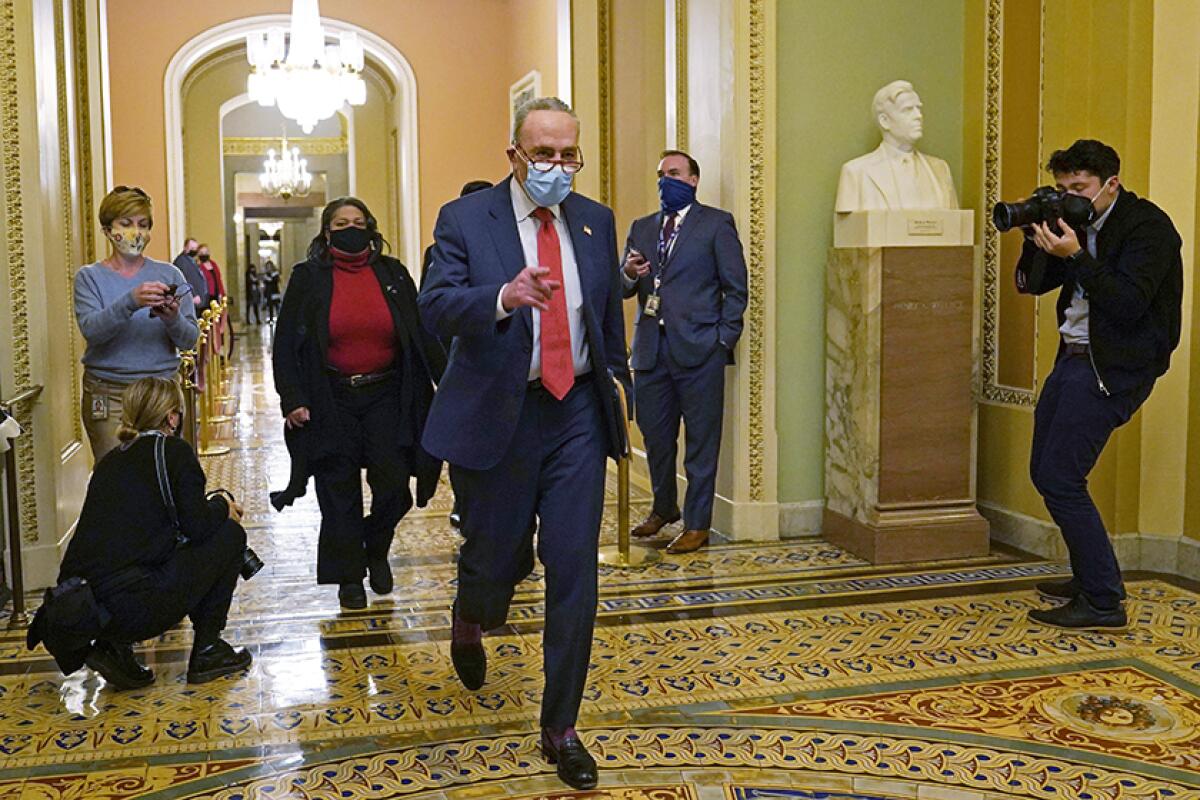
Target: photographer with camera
(149,549)
(1115,258)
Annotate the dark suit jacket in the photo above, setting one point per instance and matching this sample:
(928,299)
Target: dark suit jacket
(191,270)
(1134,288)
(477,249)
(703,287)
(301,378)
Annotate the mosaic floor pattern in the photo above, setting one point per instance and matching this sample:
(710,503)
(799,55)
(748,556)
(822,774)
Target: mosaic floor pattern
(782,671)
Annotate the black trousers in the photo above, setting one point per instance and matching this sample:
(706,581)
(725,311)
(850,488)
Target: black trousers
(554,470)
(1072,423)
(253,305)
(197,582)
(367,417)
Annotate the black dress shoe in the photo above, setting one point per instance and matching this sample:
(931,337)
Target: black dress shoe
(455,519)
(117,664)
(380,572)
(576,767)
(216,660)
(1059,590)
(1079,614)
(352,595)
(467,653)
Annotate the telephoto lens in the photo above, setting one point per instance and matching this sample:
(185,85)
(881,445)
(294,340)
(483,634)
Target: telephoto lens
(251,564)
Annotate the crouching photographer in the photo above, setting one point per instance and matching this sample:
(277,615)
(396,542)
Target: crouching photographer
(150,548)
(1117,265)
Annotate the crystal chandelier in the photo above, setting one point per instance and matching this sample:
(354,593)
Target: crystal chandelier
(286,176)
(313,80)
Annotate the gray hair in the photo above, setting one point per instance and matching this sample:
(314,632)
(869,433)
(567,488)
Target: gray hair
(888,95)
(539,104)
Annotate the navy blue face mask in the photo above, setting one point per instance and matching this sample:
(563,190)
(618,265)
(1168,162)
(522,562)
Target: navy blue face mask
(675,194)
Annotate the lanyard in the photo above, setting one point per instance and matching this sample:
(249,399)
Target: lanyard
(664,248)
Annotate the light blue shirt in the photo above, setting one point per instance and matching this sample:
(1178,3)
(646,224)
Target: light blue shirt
(124,342)
(1074,329)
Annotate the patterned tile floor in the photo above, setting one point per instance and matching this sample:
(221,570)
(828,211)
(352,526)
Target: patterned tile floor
(745,671)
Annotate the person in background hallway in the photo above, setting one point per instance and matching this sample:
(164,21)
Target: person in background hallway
(355,372)
(186,263)
(470,187)
(253,291)
(211,271)
(524,277)
(685,265)
(1120,283)
(147,571)
(135,315)
(272,294)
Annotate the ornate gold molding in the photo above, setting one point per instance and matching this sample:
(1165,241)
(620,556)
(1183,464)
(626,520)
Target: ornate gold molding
(14,232)
(756,312)
(681,74)
(67,199)
(993,90)
(604,67)
(83,114)
(258,145)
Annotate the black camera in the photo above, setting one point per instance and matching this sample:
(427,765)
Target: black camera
(251,564)
(1046,204)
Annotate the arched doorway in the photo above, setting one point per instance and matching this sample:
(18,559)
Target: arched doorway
(391,60)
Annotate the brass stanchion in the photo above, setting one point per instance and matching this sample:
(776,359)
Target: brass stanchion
(187,374)
(624,554)
(212,380)
(204,345)
(220,368)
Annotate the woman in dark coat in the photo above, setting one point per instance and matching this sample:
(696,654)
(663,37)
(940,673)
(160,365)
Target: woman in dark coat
(355,372)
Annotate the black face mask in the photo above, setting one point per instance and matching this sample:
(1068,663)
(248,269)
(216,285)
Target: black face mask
(204,258)
(192,253)
(350,240)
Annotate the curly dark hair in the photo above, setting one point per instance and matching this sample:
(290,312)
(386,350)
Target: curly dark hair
(1086,155)
(318,248)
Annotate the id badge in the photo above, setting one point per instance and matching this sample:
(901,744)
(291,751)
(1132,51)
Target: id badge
(99,406)
(652,304)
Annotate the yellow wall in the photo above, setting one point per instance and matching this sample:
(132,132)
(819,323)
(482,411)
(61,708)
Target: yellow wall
(463,102)
(535,42)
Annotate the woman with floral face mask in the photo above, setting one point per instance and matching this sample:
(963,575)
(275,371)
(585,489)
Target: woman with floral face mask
(129,313)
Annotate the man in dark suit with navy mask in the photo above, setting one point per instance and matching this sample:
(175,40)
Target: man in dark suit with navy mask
(685,265)
(525,278)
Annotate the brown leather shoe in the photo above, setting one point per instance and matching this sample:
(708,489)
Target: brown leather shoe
(688,542)
(652,525)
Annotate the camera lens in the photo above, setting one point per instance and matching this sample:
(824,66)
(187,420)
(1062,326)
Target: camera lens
(251,564)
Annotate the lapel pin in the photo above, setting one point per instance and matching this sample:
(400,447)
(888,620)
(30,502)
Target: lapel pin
(587,230)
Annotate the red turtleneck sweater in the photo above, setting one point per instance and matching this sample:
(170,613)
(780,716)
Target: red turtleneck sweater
(362,337)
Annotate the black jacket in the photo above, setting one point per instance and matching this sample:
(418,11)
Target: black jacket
(124,529)
(302,378)
(1134,288)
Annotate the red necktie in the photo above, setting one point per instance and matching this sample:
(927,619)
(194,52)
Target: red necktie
(558,362)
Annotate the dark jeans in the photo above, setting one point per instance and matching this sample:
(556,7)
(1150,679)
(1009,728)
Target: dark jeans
(197,582)
(553,469)
(367,418)
(664,396)
(1072,423)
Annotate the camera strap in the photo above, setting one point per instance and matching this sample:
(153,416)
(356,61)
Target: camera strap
(164,481)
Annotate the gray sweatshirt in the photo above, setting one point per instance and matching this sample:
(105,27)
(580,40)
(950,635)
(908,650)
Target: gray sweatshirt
(124,342)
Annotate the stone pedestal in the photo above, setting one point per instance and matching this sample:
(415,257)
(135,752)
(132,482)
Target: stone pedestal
(899,425)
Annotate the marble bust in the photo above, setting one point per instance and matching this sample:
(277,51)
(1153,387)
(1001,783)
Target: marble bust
(896,175)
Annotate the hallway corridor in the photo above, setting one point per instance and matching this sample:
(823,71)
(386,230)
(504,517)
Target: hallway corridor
(783,670)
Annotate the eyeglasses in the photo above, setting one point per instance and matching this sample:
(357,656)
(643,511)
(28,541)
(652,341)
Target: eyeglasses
(134,189)
(569,167)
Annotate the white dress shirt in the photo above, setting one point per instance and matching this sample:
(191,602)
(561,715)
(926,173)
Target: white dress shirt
(527,227)
(1074,329)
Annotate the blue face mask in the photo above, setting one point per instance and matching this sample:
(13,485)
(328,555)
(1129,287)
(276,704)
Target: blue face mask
(548,188)
(675,194)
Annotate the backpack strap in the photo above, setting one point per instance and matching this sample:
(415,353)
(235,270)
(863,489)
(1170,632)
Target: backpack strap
(164,481)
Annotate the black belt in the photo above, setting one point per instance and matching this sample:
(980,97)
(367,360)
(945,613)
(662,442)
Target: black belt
(535,385)
(1076,348)
(361,379)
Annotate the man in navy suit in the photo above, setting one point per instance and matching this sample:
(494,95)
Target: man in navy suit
(685,265)
(525,278)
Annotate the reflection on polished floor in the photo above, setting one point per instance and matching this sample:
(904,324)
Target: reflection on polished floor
(744,671)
